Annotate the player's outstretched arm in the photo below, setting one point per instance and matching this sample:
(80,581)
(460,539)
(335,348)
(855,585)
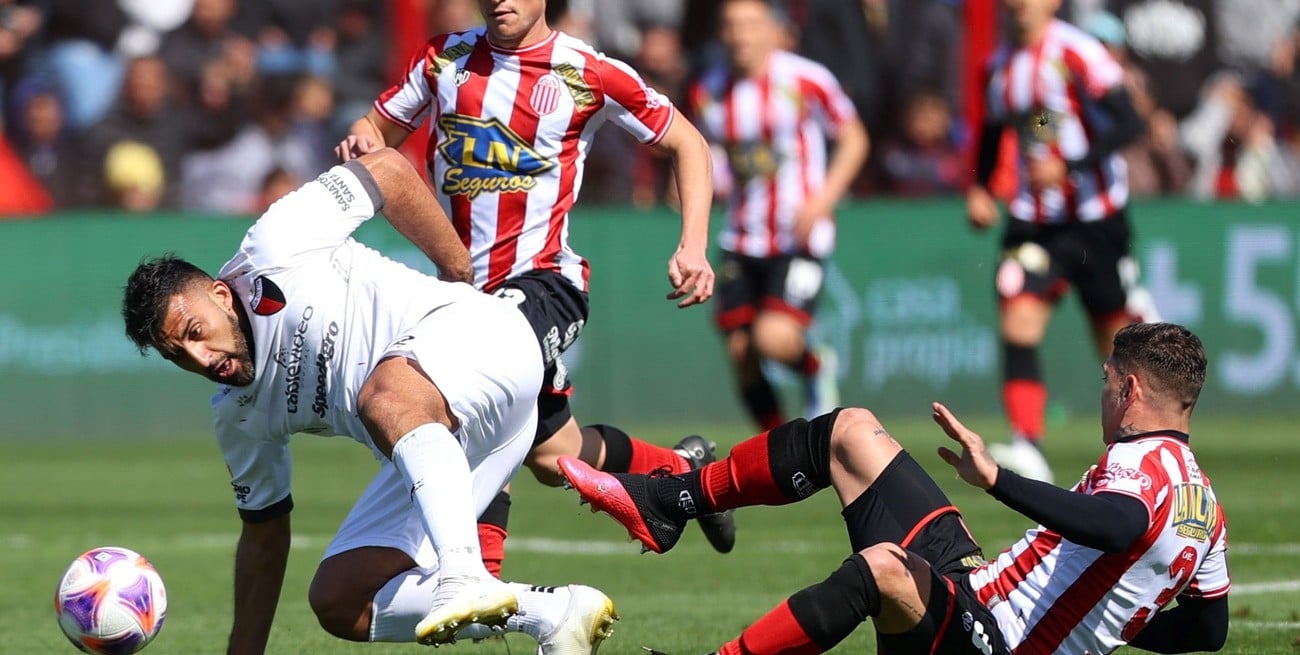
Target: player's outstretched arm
(689,271)
(411,208)
(849,154)
(259,573)
(974,465)
(368,134)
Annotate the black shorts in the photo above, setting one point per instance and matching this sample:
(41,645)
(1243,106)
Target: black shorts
(557,311)
(904,506)
(1045,260)
(747,285)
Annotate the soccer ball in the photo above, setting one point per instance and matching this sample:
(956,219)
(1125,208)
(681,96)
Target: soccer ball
(111,601)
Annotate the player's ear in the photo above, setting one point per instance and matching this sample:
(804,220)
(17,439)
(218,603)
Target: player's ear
(223,295)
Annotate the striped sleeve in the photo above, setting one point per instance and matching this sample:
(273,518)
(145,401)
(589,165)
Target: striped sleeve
(633,106)
(1092,68)
(830,104)
(1212,579)
(1132,471)
(408,101)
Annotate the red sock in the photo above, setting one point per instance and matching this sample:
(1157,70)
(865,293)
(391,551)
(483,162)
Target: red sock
(1026,403)
(647,457)
(810,364)
(743,478)
(776,633)
(492,542)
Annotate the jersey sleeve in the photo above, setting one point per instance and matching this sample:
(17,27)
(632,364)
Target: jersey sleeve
(633,106)
(1211,579)
(830,105)
(260,468)
(319,216)
(1128,471)
(1092,69)
(408,102)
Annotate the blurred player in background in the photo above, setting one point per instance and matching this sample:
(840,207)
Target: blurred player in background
(1141,529)
(1064,96)
(512,108)
(771,112)
(306,330)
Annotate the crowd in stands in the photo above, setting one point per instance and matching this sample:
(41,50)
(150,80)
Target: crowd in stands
(221,106)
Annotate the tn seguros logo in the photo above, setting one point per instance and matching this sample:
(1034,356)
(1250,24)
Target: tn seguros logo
(486,156)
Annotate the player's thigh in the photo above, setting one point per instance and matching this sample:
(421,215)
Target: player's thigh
(1030,279)
(779,335)
(736,293)
(954,621)
(903,505)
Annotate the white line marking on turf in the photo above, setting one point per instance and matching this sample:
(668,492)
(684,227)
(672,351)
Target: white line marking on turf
(1255,588)
(1285,549)
(1265,625)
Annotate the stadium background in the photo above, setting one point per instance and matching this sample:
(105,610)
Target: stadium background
(103,446)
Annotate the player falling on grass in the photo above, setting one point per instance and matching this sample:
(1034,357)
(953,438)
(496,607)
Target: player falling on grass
(306,330)
(1142,528)
(512,107)
(771,112)
(1068,224)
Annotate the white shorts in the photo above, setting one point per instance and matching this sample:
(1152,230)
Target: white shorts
(486,362)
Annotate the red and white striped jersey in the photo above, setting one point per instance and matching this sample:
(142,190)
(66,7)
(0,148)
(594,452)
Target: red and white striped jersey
(1047,93)
(773,128)
(1051,595)
(510,132)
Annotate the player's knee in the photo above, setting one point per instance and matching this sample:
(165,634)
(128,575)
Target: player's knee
(739,346)
(545,468)
(778,338)
(889,564)
(337,609)
(852,426)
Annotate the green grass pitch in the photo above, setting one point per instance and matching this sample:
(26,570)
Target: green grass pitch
(171,502)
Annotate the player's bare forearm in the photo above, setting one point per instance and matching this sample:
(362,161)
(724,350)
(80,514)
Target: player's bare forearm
(412,209)
(259,573)
(370,133)
(852,144)
(693,168)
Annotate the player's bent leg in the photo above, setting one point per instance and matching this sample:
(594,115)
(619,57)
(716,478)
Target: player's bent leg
(343,591)
(1024,320)
(779,337)
(860,449)
(756,391)
(569,440)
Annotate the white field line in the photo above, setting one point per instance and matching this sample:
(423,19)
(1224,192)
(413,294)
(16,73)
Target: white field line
(1257,588)
(1265,625)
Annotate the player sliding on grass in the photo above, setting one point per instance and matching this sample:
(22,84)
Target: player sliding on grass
(512,108)
(1141,529)
(306,330)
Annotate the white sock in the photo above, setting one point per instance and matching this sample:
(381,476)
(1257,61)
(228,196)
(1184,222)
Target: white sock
(433,464)
(540,609)
(402,603)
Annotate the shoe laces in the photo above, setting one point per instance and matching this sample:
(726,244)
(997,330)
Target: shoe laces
(665,472)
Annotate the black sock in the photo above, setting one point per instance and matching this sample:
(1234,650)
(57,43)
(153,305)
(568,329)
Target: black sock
(761,401)
(618,448)
(832,609)
(680,497)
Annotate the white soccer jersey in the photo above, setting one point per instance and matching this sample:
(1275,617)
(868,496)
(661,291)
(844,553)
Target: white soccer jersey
(1050,595)
(510,133)
(322,308)
(773,128)
(1047,93)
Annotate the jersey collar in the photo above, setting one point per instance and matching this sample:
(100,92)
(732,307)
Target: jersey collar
(1171,434)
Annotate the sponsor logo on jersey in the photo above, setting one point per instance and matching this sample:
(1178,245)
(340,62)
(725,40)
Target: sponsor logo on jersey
(444,58)
(546,95)
(486,156)
(1195,516)
(753,159)
(241,491)
(291,360)
(267,297)
(572,78)
(1116,473)
(320,404)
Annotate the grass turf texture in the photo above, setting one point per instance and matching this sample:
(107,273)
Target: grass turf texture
(171,502)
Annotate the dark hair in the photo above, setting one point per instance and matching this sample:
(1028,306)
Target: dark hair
(148,293)
(1172,358)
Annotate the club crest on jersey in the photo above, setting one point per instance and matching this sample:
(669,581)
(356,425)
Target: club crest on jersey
(486,156)
(267,297)
(546,95)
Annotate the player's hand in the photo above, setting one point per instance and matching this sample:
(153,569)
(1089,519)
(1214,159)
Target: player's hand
(691,276)
(974,465)
(354,146)
(1046,172)
(806,217)
(981,208)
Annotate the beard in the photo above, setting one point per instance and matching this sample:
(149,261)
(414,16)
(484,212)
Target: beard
(243,370)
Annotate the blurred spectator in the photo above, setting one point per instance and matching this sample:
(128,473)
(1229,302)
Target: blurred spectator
(620,24)
(44,145)
(80,58)
(927,160)
(146,114)
(277,184)
(1175,42)
(447,16)
(362,61)
(296,36)
(1257,40)
(1235,147)
(18,24)
(1156,162)
(921,44)
(134,177)
(844,36)
(288,134)
(208,39)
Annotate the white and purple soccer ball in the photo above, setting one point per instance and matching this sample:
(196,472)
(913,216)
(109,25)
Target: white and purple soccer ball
(111,601)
